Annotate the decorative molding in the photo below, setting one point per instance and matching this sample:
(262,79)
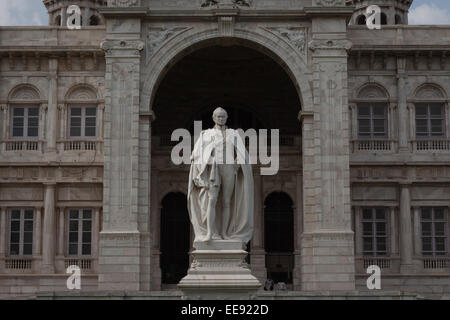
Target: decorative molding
(329,3)
(81,92)
(124,3)
(296,36)
(156,37)
(330,45)
(226,26)
(227,3)
(24,92)
(429,92)
(372,91)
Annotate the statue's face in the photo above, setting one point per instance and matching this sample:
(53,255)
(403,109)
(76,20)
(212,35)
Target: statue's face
(220,118)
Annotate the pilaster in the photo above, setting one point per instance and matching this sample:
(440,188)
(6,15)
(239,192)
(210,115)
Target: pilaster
(120,239)
(327,240)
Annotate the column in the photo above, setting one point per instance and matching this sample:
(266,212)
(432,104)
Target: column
(48,238)
(95,235)
(328,240)
(403,119)
(258,254)
(61,228)
(393,231)
(64,17)
(417,233)
(354,124)
(38,232)
(120,238)
(405,229)
(358,232)
(52,112)
(298,232)
(3,232)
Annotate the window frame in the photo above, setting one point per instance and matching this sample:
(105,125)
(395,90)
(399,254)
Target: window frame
(25,117)
(80,233)
(429,119)
(373,220)
(371,119)
(83,108)
(433,234)
(21,232)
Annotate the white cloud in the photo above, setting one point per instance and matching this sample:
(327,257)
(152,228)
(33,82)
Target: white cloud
(426,14)
(21,12)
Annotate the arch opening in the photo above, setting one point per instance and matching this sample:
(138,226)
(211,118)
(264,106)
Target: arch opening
(254,89)
(175,238)
(279,237)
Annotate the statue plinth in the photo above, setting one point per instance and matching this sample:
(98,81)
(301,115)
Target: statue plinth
(219,271)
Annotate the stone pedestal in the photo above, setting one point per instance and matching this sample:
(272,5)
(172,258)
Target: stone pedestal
(219,271)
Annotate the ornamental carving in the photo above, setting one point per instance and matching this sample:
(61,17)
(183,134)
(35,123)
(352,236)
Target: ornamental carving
(330,45)
(329,3)
(123,3)
(294,35)
(156,37)
(235,3)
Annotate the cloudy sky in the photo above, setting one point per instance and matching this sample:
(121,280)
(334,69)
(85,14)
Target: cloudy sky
(32,12)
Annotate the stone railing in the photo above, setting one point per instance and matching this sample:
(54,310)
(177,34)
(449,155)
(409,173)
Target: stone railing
(164,141)
(387,264)
(436,263)
(80,145)
(378,145)
(83,263)
(18,265)
(22,145)
(431,145)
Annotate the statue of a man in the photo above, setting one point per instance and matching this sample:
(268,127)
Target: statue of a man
(220,197)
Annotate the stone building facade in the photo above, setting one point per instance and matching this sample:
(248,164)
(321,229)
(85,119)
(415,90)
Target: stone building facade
(86,117)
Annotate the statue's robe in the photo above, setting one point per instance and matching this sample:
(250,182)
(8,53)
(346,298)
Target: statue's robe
(207,154)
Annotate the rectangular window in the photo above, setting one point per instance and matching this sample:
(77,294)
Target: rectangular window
(25,122)
(374,226)
(83,122)
(79,232)
(430,120)
(434,236)
(21,232)
(372,120)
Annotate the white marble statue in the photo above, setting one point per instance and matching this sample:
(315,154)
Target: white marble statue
(220,196)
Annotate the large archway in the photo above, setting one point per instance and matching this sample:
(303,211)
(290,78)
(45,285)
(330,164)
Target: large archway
(254,89)
(252,86)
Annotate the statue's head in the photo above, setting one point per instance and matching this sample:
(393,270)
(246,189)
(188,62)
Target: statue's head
(220,116)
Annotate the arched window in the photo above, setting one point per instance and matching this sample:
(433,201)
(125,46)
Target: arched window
(94,20)
(175,238)
(383,19)
(24,117)
(82,113)
(398,19)
(430,112)
(361,20)
(279,237)
(372,113)
(58,20)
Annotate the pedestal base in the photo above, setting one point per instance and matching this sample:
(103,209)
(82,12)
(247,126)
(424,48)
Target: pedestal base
(219,271)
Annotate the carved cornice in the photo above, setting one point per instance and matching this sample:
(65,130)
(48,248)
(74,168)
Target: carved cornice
(124,3)
(226,3)
(111,45)
(330,45)
(156,37)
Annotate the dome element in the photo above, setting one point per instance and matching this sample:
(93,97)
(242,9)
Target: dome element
(392,11)
(57,11)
